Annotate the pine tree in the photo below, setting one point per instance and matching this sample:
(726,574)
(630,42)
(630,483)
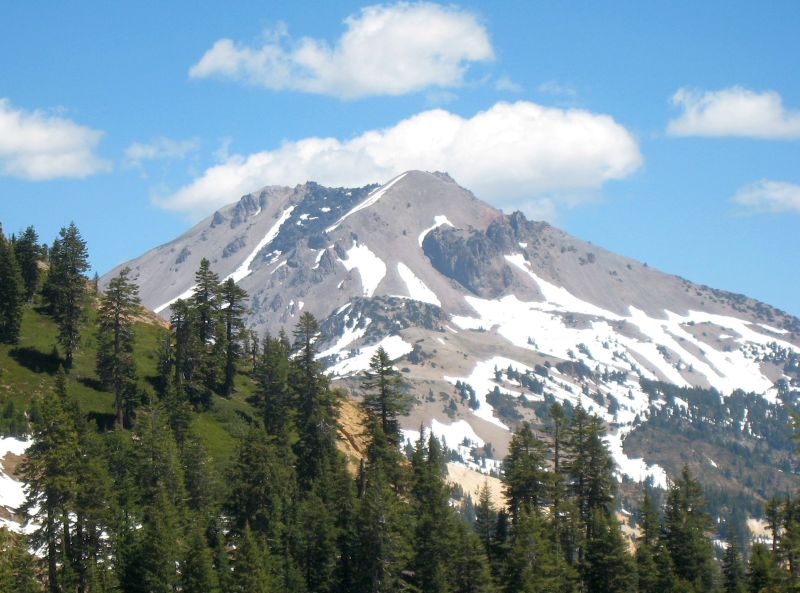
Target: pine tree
(261,486)
(233,301)
(383,400)
(17,565)
(525,477)
(685,525)
(430,496)
(153,568)
(468,561)
(274,395)
(50,472)
(649,526)
(317,403)
(11,293)
(95,511)
(610,568)
(197,570)
(250,574)
(381,549)
(28,255)
(733,572)
(206,308)
(65,289)
(485,518)
(763,573)
(116,366)
(532,565)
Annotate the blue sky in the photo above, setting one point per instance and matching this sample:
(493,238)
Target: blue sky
(666,131)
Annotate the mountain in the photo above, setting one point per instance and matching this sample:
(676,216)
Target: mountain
(491,317)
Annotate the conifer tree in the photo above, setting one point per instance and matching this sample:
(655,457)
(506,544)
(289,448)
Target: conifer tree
(197,570)
(28,254)
(65,289)
(733,572)
(261,486)
(382,547)
(11,293)
(317,403)
(233,300)
(274,395)
(153,567)
(17,565)
(525,477)
(430,496)
(250,573)
(763,573)
(485,518)
(49,472)
(685,525)
(205,304)
(383,400)
(116,366)
(610,568)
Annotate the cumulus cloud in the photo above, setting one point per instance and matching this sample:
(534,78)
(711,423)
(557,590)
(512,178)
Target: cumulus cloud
(160,148)
(734,111)
(385,50)
(553,87)
(504,83)
(37,146)
(773,197)
(510,154)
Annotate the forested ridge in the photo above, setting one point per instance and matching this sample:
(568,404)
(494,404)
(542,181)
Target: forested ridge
(133,494)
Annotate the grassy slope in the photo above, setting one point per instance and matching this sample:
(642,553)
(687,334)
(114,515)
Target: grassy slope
(28,370)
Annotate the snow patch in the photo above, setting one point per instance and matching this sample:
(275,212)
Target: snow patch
(244,269)
(395,347)
(12,492)
(417,289)
(369,201)
(437,222)
(370,267)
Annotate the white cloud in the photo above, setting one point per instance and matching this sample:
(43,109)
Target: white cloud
(504,83)
(510,154)
(39,146)
(733,111)
(385,50)
(160,148)
(552,87)
(774,197)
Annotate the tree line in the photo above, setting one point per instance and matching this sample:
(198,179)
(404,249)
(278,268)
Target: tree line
(139,506)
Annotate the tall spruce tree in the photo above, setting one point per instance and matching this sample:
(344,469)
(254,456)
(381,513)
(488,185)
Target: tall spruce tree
(28,254)
(49,472)
(116,366)
(525,476)
(733,571)
(317,403)
(250,573)
(65,289)
(233,300)
(12,293)
(197,569)
(686,524)
(383,400)
(274,394)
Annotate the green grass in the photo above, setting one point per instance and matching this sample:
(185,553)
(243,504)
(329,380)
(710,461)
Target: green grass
(28,370)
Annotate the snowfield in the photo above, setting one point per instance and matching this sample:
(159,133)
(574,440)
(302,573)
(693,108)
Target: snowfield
(370,267)
(417,289)
(12,493)
(358,361)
